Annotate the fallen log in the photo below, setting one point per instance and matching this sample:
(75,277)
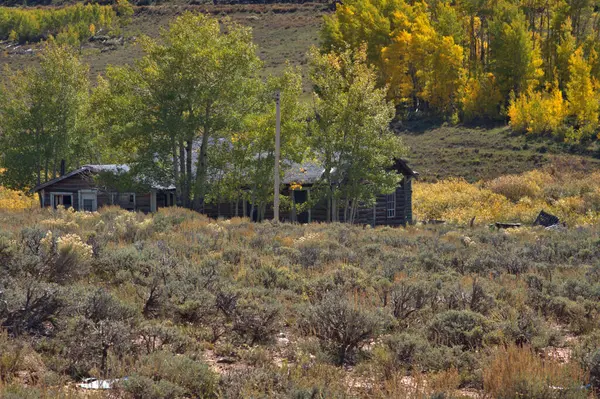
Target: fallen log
(502,225)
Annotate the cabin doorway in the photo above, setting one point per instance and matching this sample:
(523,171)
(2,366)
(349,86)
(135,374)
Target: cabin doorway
(300,197)
(64,199)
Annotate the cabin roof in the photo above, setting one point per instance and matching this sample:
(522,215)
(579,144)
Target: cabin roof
(112,168)
(312,171)
(302,173)
(401,165)
(305,173)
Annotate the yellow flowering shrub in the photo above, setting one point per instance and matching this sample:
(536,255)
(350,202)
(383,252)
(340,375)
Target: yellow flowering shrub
(16,200)
(59,224)
(515,187)
(455,200)
(72,245)
(574,197)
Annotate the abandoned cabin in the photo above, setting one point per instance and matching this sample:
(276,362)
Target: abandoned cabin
(79,190)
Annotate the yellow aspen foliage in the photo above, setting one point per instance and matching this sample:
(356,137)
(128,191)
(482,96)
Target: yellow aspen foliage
(398,68)
(516,198)
(358,22)
(16,200)
(564,51)
(421,65)
(405,59)
(481,99)
(538,112)
(445,75)
(582,96)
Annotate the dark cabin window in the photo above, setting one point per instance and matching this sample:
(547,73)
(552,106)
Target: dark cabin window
(88,205)
(391,205)
(131,198)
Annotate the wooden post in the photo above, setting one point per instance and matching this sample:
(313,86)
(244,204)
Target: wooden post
(277,148)
(310,208)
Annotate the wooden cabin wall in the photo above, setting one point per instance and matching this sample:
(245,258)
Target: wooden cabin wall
(69,185)
(224,210)
(103,199)
(408,211)
(75,183)
(377,215)
(142,202)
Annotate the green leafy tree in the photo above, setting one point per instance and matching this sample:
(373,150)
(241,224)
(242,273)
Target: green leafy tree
(514,60)
(350,131)
(181,98)
(43,118)
(244,165)
(566,47)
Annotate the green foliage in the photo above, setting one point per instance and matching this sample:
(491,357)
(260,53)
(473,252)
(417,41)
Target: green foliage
(277,308)
(163,375)
(185,112)
(595,371)
(341,327)
(43,116)
(351,132)
(515,62)
(454,327)
(244,161)
(256,320)
(32,25)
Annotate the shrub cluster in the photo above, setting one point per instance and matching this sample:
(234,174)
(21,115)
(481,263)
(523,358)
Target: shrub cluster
(570,192)
(79,21)
(184,306)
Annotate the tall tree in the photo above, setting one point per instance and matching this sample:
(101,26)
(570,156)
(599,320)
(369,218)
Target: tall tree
(245,165)
(582,97)
(564,50)
(361,22)
(350,131)
(189,89)
(514,60)
(42,115)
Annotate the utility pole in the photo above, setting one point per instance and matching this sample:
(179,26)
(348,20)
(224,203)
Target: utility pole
(277,148)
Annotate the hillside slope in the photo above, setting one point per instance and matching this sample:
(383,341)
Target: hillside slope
(486,153)
(283,33)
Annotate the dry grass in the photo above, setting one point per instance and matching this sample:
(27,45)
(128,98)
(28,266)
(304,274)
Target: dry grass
(283,33)
(516,372)
(571,193)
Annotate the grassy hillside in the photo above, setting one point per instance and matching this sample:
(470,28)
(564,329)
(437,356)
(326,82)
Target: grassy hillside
(486,153)
(189,307)
(283,33)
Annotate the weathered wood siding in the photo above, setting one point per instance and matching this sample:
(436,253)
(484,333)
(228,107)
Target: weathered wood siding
(408,211)
(224,210)
(72,185)
(374,215)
